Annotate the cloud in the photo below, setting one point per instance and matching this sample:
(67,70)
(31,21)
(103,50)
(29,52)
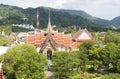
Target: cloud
(101,8)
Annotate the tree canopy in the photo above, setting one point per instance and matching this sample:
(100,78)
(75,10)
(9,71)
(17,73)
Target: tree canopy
(22,61)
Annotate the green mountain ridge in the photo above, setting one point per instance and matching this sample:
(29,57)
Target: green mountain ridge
(85,15)
(116,21)
(59,17)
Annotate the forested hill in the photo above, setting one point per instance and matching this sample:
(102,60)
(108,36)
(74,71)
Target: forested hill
(59,18)
(96,20)
(116,21)
(16,15)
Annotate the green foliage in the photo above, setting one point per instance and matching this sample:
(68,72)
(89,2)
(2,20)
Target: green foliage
(70,31)
(118,65)
(4,41)
(83,55)
(109,56)
(94,56)
(63,64)
(6,29)
(97,38)
(77,77)
(87,45)
(111,76)
(22,61)
(10,14)
(112,37)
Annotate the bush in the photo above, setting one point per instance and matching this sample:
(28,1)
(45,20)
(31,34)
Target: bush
(111,76)
(76,77)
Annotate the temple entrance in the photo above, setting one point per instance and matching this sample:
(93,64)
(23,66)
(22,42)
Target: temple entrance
(49,54)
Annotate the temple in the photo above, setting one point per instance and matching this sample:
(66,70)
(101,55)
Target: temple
(49,41)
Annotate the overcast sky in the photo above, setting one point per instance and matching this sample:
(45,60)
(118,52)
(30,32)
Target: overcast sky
(106,9)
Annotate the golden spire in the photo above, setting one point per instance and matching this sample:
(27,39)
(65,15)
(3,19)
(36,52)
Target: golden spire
(49,27)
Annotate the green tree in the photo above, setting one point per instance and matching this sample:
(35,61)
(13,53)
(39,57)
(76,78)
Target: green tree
(63,64)
(4,41)
(22,61)
(112,37)
(118,66)
(83,55)
(109,56)
(94,57)
(6,29)
(118,58)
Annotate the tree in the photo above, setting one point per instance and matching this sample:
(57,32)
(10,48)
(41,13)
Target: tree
(83,55)
(109,56)
(118,58)
(22,61)
(94,57)
(6,29)
(112,37)
(118,66)
(63,64)
(5,41)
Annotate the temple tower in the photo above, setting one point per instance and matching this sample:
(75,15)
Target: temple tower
(49,27)
(37,20)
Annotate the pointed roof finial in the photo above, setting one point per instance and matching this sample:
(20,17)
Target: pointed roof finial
(49,17)
(37,19)
(49,27)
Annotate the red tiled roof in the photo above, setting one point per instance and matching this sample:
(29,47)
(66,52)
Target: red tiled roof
(60,38)
(76,44)
(31,38)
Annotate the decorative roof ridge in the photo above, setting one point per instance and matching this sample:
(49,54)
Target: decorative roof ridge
(88,33)
(80,32)
(48,38)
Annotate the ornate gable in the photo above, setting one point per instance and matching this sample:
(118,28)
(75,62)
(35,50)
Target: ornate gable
(49,42)
(82,35)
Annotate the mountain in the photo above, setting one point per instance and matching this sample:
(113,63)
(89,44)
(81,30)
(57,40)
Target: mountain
(59,17)
(15,15)
(10,14)
(85,15)
(116,21)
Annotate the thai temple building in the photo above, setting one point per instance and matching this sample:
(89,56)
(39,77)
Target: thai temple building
(49,41)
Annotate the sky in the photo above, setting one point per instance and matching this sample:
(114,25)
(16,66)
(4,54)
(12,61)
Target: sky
(105,9)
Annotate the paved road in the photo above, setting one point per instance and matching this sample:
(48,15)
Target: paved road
(49,74)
